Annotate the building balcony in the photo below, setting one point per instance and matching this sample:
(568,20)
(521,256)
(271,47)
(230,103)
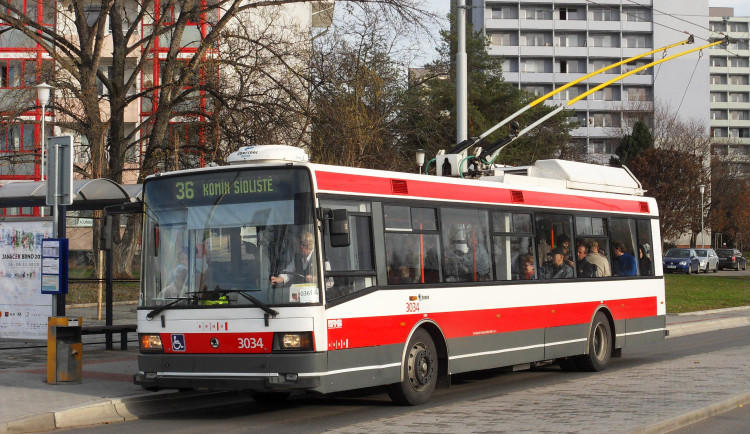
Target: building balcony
(637,26)
(563,25)
(570,51)
(536,24)
(504,51)
(610,52)
(730,123)
(632,52)
(639,79)
(719,70)
(537,51)
(537,77)
(604,26)
(497,24)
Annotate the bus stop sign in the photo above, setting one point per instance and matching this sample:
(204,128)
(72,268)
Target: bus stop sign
(60,170)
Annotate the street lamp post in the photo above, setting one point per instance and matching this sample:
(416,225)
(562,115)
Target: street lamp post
(703,236)
(42,94)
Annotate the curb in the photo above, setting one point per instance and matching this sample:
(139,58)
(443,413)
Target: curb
(124,409)
(712,311)
(690,328)
(698,415)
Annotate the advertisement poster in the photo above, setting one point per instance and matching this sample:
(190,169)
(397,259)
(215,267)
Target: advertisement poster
(23,308)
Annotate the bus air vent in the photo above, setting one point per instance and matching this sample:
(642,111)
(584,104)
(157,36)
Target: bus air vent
(398,186)
(516,196)
(644,207)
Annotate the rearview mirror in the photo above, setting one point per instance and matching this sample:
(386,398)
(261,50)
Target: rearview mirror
(339,228)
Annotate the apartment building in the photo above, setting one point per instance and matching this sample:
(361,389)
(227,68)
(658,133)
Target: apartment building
(546,44)
(730,89)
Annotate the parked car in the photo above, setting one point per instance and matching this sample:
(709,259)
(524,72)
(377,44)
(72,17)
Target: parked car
(708,259)
(681,261)
(731,258)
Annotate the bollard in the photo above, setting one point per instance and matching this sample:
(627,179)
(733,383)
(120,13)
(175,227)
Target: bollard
(64,350)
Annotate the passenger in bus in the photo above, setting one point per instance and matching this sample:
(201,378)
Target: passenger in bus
(456,263)
(595,258)
(526,268)
(174,289)
(583,266)
(644,262)
(623,263)
(558,268)
(563,242)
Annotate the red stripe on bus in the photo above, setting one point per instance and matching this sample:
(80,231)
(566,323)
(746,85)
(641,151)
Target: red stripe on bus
(363,184)
(223,343)
(372,331)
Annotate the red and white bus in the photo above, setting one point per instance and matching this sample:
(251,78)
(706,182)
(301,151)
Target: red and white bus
(411,278)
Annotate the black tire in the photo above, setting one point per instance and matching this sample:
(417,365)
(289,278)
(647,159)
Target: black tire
(599,346)
(420,371)
(690,268)
(716,270)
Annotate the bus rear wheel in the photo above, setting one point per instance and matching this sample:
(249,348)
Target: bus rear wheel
(420,371)
(600,346)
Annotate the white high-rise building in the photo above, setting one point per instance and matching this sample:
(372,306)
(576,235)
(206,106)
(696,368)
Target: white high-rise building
(730,89)
(546,44)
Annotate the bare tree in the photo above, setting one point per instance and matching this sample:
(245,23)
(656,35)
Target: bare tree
(184,37)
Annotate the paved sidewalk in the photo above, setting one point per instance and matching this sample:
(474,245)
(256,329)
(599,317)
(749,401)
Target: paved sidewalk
(107,393)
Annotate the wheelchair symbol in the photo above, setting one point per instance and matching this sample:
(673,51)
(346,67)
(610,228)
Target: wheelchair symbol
(178,342)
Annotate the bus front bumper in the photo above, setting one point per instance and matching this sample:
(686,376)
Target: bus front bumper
(230,372)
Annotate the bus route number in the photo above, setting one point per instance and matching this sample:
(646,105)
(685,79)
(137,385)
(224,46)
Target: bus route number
(185,190)
(412,307)
(249,343)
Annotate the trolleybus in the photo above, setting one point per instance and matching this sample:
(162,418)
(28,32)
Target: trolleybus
(275,275)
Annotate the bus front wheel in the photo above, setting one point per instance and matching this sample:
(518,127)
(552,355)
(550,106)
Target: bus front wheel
(600,346)
(420,371)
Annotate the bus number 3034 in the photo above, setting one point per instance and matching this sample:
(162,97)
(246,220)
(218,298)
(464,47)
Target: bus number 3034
(412,307)
(249,343)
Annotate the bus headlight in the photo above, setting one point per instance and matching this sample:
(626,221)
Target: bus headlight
(150,343)
(293,341)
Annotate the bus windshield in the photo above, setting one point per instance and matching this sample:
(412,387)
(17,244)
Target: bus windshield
(218,238)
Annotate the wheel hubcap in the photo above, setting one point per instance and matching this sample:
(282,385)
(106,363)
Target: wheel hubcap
(421,367)
(600,342)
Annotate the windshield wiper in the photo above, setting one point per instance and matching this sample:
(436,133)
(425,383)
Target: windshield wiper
(159,309)
(243,292)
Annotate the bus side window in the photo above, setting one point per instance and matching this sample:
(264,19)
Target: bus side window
(513,246)
(350,268)
(623,247)
(645,248)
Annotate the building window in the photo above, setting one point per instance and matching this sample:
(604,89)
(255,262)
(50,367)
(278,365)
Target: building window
(719,115)
(738,27)
(504,39)
(738,97)
(739,80)
(537,13)
(607,94)
(570,40)
(637,14)
(603,63)
(739,62)
(739,115)
(537,39)
(506,12)
(638,94)
(604,14)
(719,62)
(718,79)
(636,41)
(606,41)
(536,65)
(718,132)
(718,97)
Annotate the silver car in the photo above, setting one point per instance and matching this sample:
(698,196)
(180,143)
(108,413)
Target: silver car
(709,260)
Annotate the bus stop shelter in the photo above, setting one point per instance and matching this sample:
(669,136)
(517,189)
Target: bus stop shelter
(88,194)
